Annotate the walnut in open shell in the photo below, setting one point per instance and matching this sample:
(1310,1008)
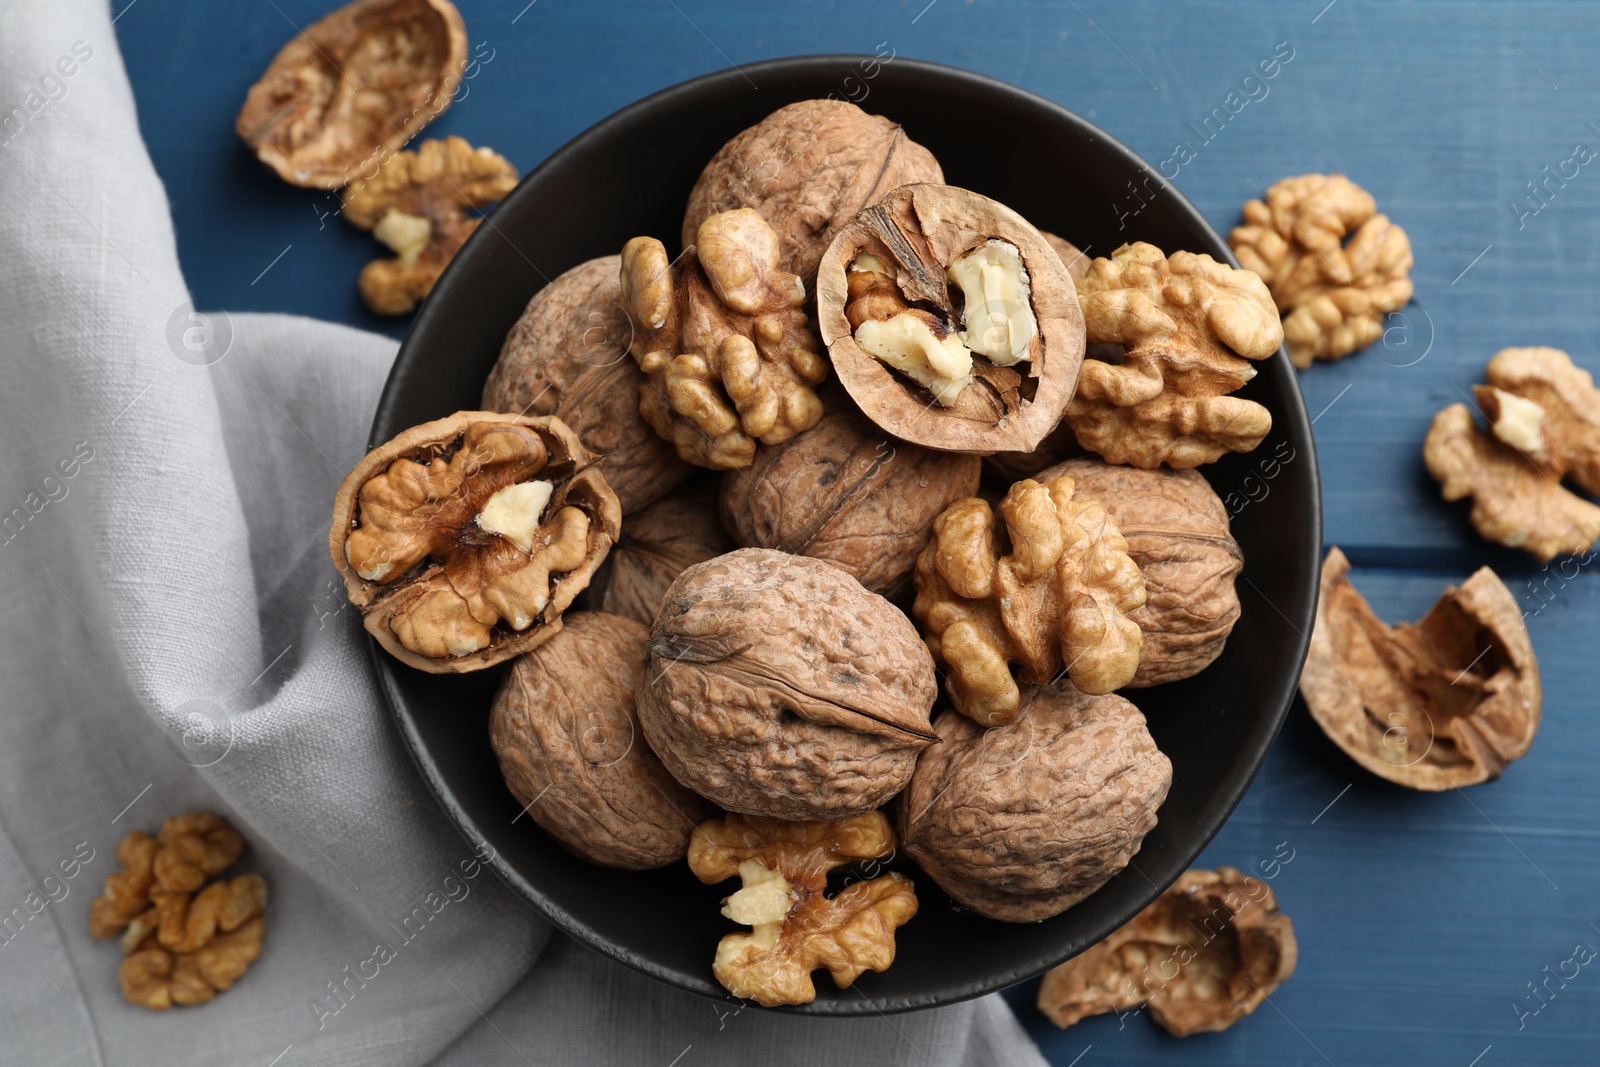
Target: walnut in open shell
(950,321)
(776,685)
(464,539)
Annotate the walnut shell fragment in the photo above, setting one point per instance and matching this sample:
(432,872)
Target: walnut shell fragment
(566,734)
(567,356)
(1072,257)
(846,493)
(658,544)
(1447,702)
(796,927)
(464,539)
(1050,590)
(352,87)
(417,205)
(776,685)
(951,321)
(1020,822)
(722,339)
(1177,532)
(808,168)
(1537,402)
(1202,956)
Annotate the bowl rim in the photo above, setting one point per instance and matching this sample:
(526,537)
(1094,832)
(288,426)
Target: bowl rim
(433,308)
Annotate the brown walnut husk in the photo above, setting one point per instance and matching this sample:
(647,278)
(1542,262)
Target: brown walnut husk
(1022,821)
(566,733)
(352,87)
(658,544)
(567,356)
(776,685)
(1177,532)
(1447,702)
(438,590)
(1202,956)
(918,230)
(808,168)
(846,493)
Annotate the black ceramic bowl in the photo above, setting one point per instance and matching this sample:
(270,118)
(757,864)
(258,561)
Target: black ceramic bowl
(631,175)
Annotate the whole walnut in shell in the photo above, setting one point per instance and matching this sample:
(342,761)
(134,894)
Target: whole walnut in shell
(847,493)
(808,168)
(1177,532)
(1020,822)
(658,544)
(564,728)
(567,356)
(776,685)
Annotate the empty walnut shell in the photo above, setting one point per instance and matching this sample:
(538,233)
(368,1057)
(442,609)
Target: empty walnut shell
(846,493)
(808,168)
(464,539)
(352,87)
(564,727)
(567,356)
(1447,702)
(892,259)
(777,685)
(658,544)
(1020,822)
(1202,956)
(1177,532)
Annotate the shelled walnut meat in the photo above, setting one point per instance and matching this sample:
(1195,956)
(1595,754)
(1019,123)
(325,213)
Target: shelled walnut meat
(776,685)
(464,539)
(951,321)
(1202,956)
(796,927)
(658,544)
(1019,822)
(1177,532)
(808,168)
(1447,702)
(566,734)
(721,336)
(353,87)
(567,356)
(847,493)
(1189,327)
(1052,591)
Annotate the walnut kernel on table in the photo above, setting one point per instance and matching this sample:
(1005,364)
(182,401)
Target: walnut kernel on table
(567,356)
(658,544)
(795,926)
(566,733)
(1020,822)
(1444,703)
(1189,327)
(1052,590)
(776,685)
(1335,266)
(950,321)
(721,336)
(353,87)
(808,168)
(1539,403)
(847,493)
(417,205)
(1202,956)
(462,540)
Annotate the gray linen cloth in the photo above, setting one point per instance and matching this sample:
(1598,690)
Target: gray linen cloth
(173,638)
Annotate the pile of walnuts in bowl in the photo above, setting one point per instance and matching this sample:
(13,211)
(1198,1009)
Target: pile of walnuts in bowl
(840,552)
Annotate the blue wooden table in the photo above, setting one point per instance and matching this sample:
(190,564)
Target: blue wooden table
(1424,921)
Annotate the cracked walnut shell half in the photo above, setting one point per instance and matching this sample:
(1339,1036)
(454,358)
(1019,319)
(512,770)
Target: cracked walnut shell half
(795,926)
(776,685)
(1048,586)
(1539,403)
(352,87)
(1020,822)
(951,321)
(1447,702)
(721,337)
(463,540)
(1202,956)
